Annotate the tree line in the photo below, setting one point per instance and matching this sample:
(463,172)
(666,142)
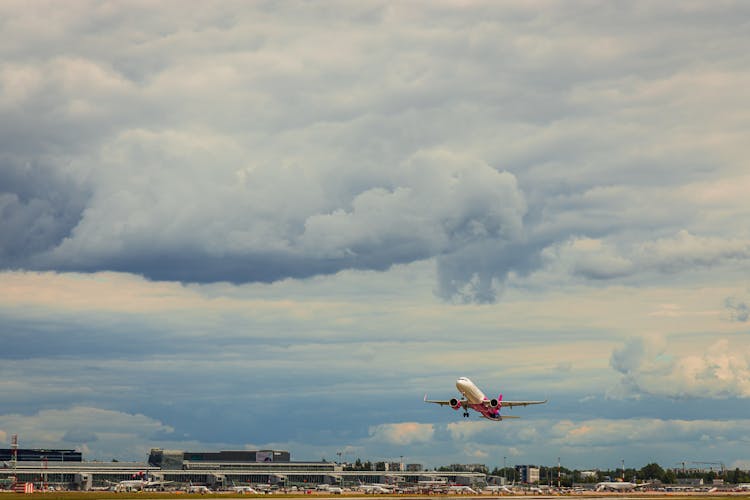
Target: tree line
(650,472)
(549,475)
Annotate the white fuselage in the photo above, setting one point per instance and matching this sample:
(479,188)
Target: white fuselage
(615,485)
(470,391)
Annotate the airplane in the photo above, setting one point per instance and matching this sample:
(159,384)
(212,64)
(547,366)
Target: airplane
(463,490)
(135,484)
(375,487)
(197,488)
(372,489)
(475,399)
(498,489)
(619,486)
(244,490)
(336,490)
(139,485)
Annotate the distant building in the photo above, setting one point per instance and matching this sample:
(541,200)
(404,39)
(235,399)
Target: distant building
(414,467)
(481,468)
(528,474)
(177,459)
(588,474)
(689,481)
(40,455)
(497,480)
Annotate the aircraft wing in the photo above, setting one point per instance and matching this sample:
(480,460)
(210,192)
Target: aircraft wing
(511,404)
(443,402)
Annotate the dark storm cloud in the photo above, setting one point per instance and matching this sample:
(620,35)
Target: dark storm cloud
(477,272)
(38,208)
(192,265)
(433,203)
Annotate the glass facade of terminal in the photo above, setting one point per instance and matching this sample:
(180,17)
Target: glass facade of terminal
(177,459)
(40,455)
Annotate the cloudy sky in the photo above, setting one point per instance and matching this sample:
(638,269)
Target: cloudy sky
(231,225)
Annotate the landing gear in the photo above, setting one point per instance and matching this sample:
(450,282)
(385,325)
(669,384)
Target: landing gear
(466,413)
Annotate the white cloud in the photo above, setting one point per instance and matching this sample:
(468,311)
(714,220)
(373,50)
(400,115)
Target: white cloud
(685,250)
(639,354)
(642,431)
(600,432)
(476,202)
(102,433)
(592,442)
(402,433)
(462,431)
(602,259)
(590,258)
(476,453)
(719,370)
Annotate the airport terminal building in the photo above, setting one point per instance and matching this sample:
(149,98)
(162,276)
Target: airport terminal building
(40,455)
(216,470)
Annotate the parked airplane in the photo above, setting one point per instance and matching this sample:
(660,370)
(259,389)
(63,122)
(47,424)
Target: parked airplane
(618,486)
(463,490)
(475,399)
(374,489)
(244,490)
(139,485)
(498,489)
(197,488)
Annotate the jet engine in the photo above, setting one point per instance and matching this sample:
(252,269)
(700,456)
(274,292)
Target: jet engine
(494,403)
(455,403)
